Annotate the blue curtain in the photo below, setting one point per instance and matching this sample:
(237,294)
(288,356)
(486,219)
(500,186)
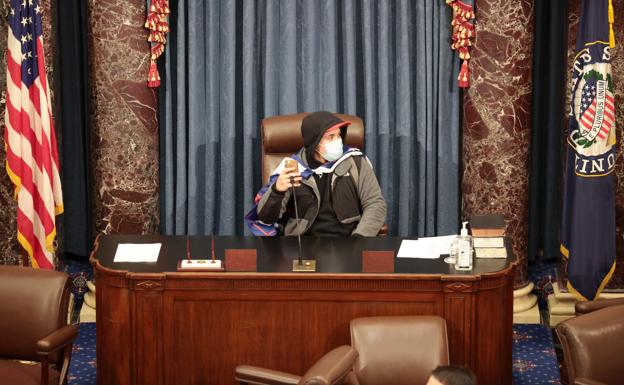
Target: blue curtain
(230,63)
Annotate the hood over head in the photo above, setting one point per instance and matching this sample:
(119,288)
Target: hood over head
(314,125)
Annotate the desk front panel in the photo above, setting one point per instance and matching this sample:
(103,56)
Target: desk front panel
(194,328)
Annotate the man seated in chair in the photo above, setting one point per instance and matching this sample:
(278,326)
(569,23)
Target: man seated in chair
(336,191)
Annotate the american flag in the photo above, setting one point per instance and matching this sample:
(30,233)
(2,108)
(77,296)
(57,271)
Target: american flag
(32,158)
(589,102)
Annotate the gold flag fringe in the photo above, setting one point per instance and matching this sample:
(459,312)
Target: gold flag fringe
(611,21)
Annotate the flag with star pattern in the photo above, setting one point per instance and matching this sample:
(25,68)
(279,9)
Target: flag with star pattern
(32,155)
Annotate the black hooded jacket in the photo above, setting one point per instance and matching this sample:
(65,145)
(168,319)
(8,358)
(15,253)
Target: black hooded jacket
(313,127)
(335,204)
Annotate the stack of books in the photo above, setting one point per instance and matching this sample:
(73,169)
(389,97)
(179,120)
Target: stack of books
(488,231)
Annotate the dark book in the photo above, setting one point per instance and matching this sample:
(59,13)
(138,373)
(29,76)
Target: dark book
(487,225)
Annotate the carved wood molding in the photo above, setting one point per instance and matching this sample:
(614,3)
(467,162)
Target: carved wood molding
(299,284)
(149,285)
(458,287)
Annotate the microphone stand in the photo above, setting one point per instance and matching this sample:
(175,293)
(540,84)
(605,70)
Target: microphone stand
(299,264)
(188,249)
(189,264)
(212,254)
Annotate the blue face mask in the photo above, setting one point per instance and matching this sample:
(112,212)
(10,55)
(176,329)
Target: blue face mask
(333,150)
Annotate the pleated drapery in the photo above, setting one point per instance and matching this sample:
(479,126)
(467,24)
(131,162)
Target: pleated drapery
(230,63)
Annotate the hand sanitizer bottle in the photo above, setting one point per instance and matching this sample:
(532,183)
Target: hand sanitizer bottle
(464,255)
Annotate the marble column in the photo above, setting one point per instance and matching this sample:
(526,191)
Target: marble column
(496,119)
(123,113)
(10,250)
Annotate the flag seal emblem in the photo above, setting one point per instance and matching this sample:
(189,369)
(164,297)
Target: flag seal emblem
(592,137)
(593,107)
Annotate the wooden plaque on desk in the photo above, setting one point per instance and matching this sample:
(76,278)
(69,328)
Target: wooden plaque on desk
(241,260)
(381,261)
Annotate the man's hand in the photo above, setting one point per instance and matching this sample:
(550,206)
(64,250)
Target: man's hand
(290,176)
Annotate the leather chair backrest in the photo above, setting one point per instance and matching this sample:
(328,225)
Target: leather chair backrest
(33,303)
(593,345)
(281,137)
(399,350)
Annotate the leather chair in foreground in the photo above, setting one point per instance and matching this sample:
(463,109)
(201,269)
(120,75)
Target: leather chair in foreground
(593,343)
(281,136)
(397,350)
(33,322)
(331,369)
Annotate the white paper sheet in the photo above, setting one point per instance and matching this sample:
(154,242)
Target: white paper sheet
(137,252)
(426,248)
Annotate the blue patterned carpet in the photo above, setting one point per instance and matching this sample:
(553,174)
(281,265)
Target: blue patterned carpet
(82,368)
(534,358)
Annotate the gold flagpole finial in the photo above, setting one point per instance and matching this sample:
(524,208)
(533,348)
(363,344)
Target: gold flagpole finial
(611,21)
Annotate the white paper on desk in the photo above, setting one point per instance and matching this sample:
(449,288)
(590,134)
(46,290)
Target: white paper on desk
(137,252)
(426,248)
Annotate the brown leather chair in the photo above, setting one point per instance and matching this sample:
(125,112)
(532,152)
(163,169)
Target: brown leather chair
(397,350)
(584,307)
(281,137)
(593,343)
(331,369)
(33,323)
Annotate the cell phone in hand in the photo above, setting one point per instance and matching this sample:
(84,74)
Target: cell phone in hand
(291,164)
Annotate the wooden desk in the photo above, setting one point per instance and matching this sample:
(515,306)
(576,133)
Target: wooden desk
(159,326)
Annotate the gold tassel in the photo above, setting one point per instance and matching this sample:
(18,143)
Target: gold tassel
(158,26)
(611,21)
(463,80)
(153,79)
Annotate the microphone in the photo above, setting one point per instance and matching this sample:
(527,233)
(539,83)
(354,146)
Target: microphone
(188,249)
(212,248)
(299,264)
(292,187)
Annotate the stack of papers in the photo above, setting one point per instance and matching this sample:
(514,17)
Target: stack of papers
(479,242)
(489,247)
(491,252)
(426,248)
(137,252)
